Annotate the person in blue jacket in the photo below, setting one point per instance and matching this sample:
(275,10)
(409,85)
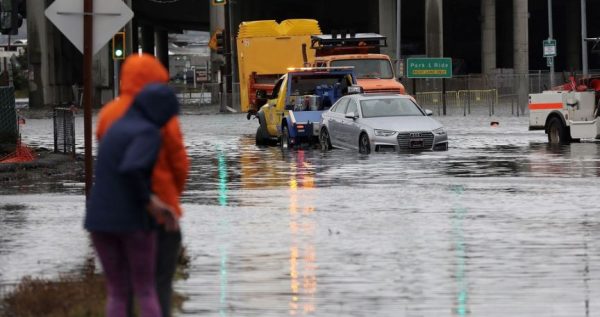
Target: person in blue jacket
(121,209)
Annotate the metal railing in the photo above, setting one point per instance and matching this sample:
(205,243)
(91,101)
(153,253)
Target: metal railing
(200,94)
(207,94)
(461,102)
(482,94)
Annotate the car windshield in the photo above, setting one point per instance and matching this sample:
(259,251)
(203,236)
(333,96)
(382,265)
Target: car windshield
(389,107)
(368,68)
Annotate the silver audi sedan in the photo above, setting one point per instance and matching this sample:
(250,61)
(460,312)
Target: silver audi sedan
(380,123)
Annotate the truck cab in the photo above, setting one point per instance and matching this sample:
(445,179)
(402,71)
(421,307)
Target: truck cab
(292,112)
(568,113)
(374,71)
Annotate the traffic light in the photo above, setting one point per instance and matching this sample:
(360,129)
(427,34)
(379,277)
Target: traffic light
(220,42)
(10,17)
(218,2)
(118,46)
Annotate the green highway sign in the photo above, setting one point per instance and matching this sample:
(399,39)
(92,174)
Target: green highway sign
(429,67)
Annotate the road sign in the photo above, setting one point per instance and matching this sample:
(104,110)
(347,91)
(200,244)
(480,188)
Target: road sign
(549,48)
(549,61)
(109,17)
(429,67)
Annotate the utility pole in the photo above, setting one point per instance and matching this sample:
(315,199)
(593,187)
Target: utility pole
(398,37)
(550,37)
(88,9)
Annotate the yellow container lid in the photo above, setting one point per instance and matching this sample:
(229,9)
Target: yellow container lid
(266,28)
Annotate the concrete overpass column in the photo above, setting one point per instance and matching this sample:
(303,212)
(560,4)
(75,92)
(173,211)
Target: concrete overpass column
(521,50)
(39,47)
(488,36)
(572,45)
(434,28)
(148,39)
(387,25)
(162,47)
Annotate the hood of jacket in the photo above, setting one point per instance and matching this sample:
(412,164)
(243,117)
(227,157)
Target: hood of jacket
(157,103)
(138,70)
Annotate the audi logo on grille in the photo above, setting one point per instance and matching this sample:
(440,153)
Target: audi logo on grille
(415,135)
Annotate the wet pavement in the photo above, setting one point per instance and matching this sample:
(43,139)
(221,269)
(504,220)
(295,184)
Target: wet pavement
(499,225)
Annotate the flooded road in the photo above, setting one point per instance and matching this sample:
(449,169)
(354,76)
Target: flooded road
(499,225)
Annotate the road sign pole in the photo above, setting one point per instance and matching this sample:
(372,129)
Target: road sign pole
(444,96)
(88,9)
(550,37)
(116,77)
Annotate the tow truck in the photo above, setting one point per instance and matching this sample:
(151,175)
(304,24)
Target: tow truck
(291,114)
(569,112)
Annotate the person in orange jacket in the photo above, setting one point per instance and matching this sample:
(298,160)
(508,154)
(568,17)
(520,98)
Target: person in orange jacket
(170,171)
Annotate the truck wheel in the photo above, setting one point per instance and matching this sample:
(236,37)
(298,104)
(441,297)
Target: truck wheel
(324,140)
(260,140)
(364,146)
(557,132)
(286,142)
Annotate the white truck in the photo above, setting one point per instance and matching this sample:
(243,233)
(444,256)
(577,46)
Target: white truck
(565,115)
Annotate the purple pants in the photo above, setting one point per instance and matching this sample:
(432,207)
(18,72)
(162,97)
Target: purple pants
(128,259)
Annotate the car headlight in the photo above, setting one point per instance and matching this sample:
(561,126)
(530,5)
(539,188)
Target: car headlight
(439,131)
(379,132)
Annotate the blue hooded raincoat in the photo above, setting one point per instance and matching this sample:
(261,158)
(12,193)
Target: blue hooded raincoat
(126,156)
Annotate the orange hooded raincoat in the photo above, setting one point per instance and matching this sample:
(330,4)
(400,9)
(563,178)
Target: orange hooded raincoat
(171,169)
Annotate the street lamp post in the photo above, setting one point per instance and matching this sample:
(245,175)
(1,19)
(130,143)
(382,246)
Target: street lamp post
(550,37)
(584,53)
(398,36)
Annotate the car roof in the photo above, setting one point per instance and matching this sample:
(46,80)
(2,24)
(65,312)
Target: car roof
(368,96)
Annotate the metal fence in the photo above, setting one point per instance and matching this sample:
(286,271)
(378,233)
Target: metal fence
(9,129)
(207,94)
(481,94)
(200,94)
(64,130)
(463,102)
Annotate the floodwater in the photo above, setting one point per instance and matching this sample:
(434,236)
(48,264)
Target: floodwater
(499,225)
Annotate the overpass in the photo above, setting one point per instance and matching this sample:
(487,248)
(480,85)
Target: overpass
(481,36)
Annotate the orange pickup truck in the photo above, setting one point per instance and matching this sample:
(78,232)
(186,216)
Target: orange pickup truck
(374,71)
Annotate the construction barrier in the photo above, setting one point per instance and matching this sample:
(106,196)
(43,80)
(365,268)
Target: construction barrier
(21,154)
(460,102)
(479,99)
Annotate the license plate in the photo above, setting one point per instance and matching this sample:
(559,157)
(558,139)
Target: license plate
(416,144)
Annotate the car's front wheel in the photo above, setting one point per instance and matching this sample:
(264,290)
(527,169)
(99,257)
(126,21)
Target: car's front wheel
(324,140)
(364,145)
(286,142)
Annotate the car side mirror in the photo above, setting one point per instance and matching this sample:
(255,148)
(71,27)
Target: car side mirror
(352,115)
(428,112)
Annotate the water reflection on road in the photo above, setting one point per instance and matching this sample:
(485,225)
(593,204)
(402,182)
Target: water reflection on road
(500,225)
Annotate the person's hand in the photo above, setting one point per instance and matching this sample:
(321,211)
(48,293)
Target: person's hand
(161,211)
